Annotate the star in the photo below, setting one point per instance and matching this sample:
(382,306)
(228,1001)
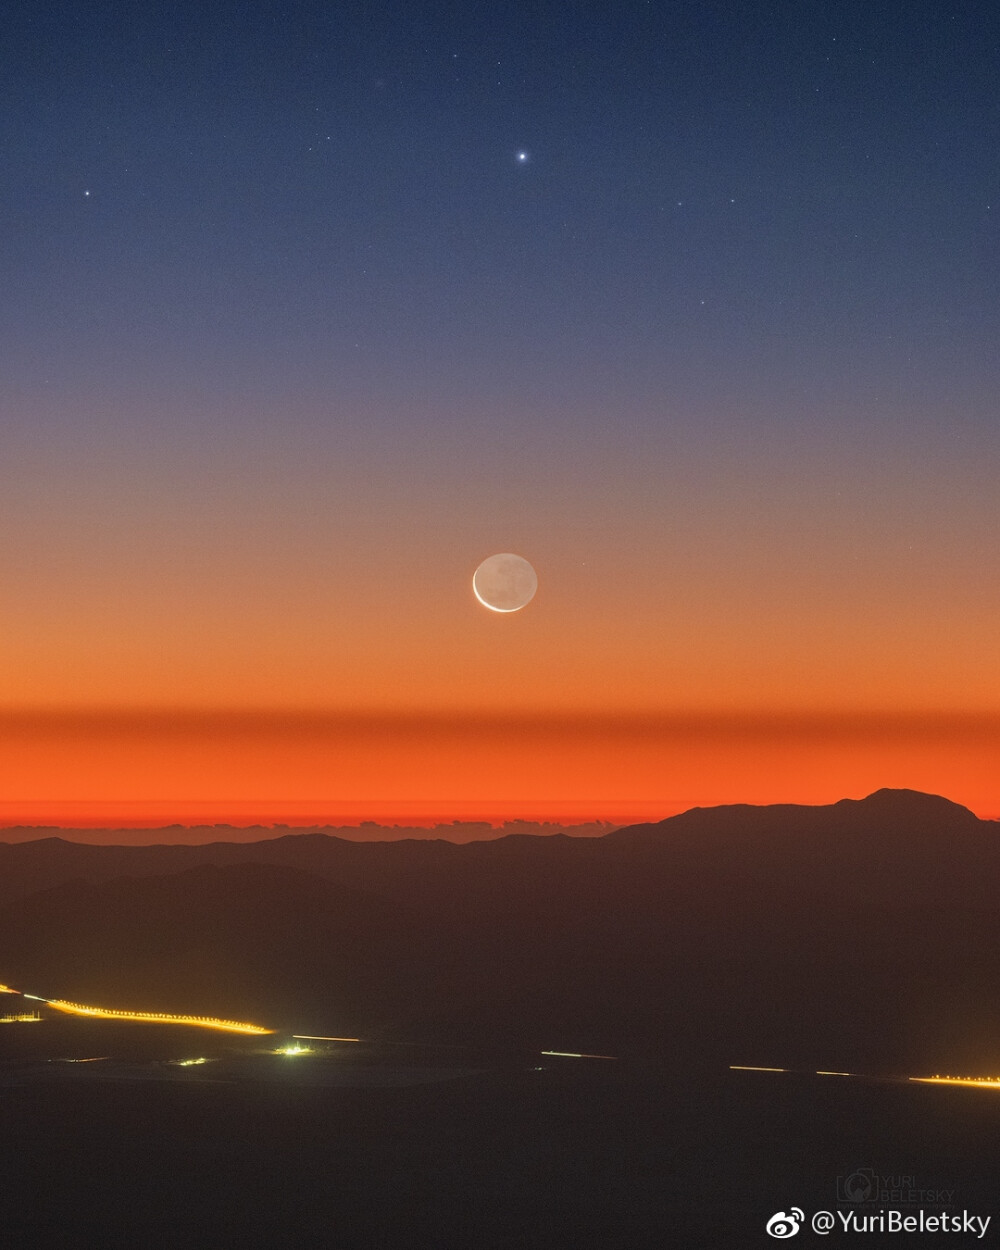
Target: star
(522,157)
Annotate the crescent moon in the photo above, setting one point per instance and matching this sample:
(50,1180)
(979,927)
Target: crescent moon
(504,582)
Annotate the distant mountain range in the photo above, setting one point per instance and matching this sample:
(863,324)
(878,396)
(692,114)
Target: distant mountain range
(864,934)
(366,831)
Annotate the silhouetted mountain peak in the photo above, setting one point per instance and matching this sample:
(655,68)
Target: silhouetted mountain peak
(885,809)
(911,803)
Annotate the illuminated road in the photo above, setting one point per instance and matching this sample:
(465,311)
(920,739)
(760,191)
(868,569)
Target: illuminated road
(983,1082)
(227,1026)
(141,1017)
(155,1017)
(239,1026)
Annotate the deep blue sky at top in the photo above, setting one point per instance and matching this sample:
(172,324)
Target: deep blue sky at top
(720,199)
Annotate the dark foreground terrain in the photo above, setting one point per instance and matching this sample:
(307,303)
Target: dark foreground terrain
(864,936)
(569,1157)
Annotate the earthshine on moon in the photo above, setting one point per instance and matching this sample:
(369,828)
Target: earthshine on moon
(504,583)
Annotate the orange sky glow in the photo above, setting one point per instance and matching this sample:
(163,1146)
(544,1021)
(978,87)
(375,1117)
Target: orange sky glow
(116,770)
(288,640)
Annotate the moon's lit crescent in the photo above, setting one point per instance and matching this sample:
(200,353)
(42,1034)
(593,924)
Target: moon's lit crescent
(504,583)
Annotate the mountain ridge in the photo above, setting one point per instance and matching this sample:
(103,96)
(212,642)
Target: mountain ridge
(866,936)
(894,805)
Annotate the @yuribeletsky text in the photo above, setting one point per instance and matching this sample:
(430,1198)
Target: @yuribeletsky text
(789,1223)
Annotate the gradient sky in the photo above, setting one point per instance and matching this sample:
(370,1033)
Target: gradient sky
(291,338)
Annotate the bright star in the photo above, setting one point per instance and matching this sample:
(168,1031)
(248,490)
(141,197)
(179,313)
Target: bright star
(522,158)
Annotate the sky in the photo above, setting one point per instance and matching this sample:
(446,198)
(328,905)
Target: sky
(307,309)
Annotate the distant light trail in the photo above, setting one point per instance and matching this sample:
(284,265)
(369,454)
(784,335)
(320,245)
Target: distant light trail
(155,1017)
(973,1082)
(572,1054)
(5,989)
(312,1037)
